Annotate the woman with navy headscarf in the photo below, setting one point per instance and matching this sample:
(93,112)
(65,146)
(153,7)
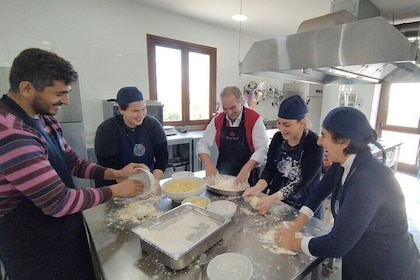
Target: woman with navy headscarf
(370,230)
(294,160)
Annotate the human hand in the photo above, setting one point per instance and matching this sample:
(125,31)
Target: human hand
(157,188)
(242,178)
(265,203)
(285,235)
(130,169)
(211,171)
(127,188)
(250,192)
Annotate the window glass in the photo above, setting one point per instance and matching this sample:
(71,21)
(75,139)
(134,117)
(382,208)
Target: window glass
(182,76)
(404,96)
(168,82)
(199,73)
(409,142)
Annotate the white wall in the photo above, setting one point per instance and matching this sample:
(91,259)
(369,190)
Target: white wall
(105,40)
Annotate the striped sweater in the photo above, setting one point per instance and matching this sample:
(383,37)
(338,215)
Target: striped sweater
(26,172)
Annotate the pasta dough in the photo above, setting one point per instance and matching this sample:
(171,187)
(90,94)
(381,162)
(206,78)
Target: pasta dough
(254,201)
(269,239)
(181,186)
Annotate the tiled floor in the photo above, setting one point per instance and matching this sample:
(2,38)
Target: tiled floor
(411,189)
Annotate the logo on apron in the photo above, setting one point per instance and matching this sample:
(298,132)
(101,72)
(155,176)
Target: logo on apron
(139,150)
(232,136)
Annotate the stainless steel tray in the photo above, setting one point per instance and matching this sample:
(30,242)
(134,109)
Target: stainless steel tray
(201,241)
(213,188)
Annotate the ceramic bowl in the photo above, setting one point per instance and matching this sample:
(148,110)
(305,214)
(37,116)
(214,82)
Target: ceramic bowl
(180,174)
(197,200)
(230,266)
(223,208)
(146,178)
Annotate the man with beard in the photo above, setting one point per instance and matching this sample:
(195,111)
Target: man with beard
(42,232)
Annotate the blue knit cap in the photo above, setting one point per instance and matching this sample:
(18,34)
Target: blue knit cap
(293,108)
(127,95)
(350,123)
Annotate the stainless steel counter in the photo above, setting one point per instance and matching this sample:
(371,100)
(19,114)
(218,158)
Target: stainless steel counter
(120,255)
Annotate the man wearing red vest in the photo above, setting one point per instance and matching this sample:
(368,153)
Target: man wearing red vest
(240,136)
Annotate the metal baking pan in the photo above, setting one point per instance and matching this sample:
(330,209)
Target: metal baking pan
(160,235)
(213,187)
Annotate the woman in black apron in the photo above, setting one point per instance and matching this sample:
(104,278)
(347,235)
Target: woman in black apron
(294,160)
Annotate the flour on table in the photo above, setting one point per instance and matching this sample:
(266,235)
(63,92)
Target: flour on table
(136,212)
(270,243)
(247,212)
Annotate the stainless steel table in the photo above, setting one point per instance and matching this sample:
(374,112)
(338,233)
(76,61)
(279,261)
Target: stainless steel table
(120,256)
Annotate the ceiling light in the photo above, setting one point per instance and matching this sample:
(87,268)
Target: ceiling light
(240,17)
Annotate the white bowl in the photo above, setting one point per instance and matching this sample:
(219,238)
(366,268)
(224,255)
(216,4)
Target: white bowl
(180,174)
(230,266)
(197,200)
(146,178)
(183,183)
(223,208)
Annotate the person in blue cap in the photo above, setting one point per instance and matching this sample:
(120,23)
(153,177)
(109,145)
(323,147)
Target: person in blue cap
(132,136)
(370,230)
(294,160)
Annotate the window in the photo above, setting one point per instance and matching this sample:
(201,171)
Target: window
(399,119)
(183,77)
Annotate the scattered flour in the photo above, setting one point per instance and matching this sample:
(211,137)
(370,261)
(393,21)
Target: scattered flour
(127,213)
(270,243)
(136,212)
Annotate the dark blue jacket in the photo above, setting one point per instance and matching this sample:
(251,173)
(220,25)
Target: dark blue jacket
(370,230)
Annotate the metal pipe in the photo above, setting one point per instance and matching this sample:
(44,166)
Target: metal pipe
(410,29)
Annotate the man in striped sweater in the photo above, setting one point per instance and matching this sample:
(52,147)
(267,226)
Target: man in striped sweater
(42,234)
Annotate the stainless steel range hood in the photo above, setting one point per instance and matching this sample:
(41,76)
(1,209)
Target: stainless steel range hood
(362,51)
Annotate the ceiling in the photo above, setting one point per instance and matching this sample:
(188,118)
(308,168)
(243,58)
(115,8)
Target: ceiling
(272,18)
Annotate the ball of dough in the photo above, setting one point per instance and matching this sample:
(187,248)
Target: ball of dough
(254,201)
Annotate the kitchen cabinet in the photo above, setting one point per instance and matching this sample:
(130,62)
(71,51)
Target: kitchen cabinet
(182,150)
(179,159)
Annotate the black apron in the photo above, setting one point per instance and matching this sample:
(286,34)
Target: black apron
(37,246)
(289,172)
(136,145)
(234,151)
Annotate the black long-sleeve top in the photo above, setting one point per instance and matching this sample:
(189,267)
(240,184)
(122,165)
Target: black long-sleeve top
(310,164)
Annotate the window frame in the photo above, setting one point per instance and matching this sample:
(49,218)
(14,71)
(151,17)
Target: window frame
(185,47)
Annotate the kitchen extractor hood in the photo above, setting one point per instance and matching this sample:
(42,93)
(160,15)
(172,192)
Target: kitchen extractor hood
(360,51)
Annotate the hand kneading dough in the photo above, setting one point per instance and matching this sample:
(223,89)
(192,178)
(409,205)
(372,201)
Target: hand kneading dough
(254,201)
